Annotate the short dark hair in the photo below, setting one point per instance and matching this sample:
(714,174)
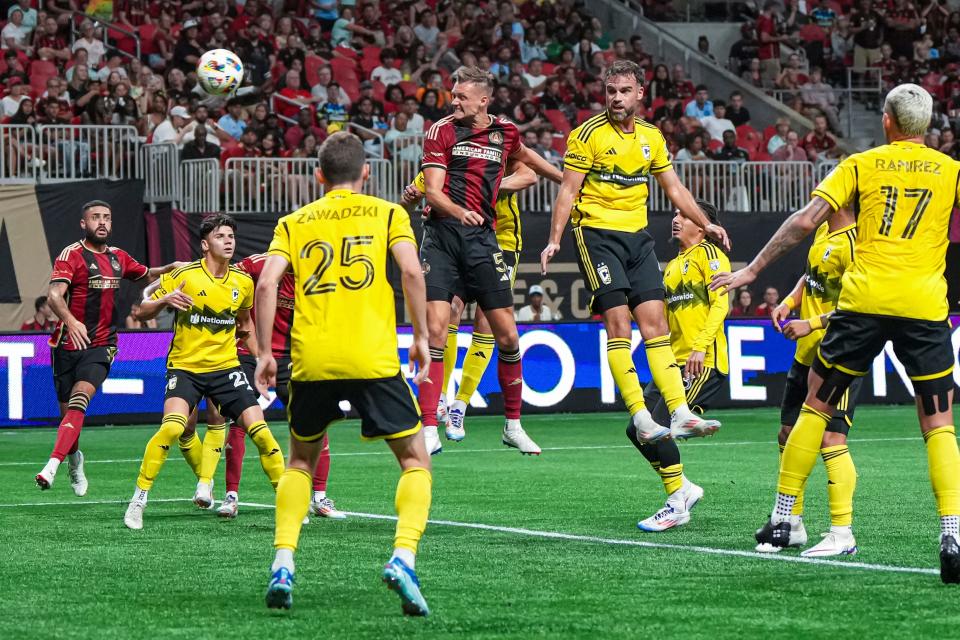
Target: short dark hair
(719,103)
(736,94)
(624,68)
(387,53)
(39,302)
(710,210)
(94,203)
(214,222)
(342,158)
(701,87)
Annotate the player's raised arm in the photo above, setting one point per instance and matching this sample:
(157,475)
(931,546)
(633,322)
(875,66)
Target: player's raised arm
(437,199)
(683,200)
(164,294)
(415,295)
(521,177)
(791,233)
(538,163)
(155,272)
(569,187)
(266,308)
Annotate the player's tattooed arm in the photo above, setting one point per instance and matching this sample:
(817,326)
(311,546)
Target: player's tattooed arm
(155,272)
(791,233)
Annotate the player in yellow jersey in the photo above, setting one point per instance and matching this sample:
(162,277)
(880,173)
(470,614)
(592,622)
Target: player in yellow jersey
(695,316)
(212,302)
(816,294)
(510,240)
(904,193)
(609,160)
(337,248)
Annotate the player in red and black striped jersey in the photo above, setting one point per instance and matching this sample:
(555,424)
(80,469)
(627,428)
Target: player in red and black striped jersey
(83,291)
(321,505)
(464,156)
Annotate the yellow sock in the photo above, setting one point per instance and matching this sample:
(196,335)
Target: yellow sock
(841,483)
(624,373)
(158,447)
(474,364)
(449,356)
(413,507)
(798,503)
(665,372)
(672,477)
(213,441)
(192,452)
(943,459)
(293,500)
(271,458)
(801,451)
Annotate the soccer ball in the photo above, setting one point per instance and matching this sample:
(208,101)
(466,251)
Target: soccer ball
(219,72)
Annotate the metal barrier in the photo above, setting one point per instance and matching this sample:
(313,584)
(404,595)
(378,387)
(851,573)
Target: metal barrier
(540,197)
(199,186)
(20,156)
(405,152)
(88,152)
(159,168)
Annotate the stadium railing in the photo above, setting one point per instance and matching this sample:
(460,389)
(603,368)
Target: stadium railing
(87,152)
(160,170)
(198,189)
(20,157)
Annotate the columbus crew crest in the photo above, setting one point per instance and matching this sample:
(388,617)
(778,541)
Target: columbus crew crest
(235,294)
(172,383)
(604,272)
(685,267)
(646,151)
(826,254)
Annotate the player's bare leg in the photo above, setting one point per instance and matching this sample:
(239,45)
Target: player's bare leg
(510,374)
(438,317)
(68,439)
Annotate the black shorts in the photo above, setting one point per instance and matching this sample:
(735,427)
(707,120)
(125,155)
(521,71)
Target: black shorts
(91,365)
(386,406)
(795,394)
(853,340)
(620,263)
(249,365)
(465,262)
(700,392)
(228,389)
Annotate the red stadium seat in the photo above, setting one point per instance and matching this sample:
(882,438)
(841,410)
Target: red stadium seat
(714,145)
(409,88)
(379,90)
(584,114)
(558,120)
(657,103)
(351,86)
(548,68)
(560,144)
(812,33)
(146,33)
(370,60)
(768,133)
(344,70)
(749,138)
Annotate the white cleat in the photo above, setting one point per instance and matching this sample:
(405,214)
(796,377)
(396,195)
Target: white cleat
(686,424)
(673,514)
(78,479)
(692,494)
(647,429)
(442,410)
(798,537)
(133,518)
(203,497)
(229,508)
(834,543)
(325,508)
(432,439)
(514,436)
(45,478)
(454,429)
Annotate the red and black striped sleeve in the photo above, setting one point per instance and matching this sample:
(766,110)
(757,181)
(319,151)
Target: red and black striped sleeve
(438,144)
(129,267)
(67,265)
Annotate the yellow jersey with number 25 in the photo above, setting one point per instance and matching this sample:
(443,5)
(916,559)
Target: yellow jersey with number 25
(903,194)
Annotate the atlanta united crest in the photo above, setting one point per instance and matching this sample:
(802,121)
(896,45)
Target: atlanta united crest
(495,137)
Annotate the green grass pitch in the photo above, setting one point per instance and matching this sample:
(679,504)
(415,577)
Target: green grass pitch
(70,569)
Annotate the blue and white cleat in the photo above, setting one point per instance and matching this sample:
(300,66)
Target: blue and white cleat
(280,589)
(402,579)
(454,429)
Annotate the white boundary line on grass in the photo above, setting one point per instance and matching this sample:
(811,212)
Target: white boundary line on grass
(557,535)
(454,449)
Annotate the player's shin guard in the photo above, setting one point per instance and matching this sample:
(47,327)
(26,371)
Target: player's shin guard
(158,447)
(799,456)
(841,483)
(798,503)
(293,501)
(235,448)
(449,356)
(474,365)
(943,460)
(271,458)
(192,450)
(665,372)
(413,507)
(510,376)
(69,430)
(213,441)
(322,472)
(429,391)
(624,373)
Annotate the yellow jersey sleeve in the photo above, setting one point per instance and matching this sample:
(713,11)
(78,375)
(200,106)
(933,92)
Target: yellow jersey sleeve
(166,286)
(711,262)
(246,293)
(399,229)
(840,186)
(659,155)
(579,155)
(280,245)
(420,183)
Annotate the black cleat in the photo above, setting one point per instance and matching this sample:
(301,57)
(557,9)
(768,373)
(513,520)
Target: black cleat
(949,559)
(771,538)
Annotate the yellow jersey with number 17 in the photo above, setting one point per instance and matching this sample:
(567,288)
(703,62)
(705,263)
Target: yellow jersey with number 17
(344,320)
(618,167)
(903,194)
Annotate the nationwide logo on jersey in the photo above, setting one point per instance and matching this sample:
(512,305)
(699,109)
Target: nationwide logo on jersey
(209,319)
(604,272)
(620,176)
(646,151)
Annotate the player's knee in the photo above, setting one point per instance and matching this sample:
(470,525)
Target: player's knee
(173,426)
(833,439)
(933,396)
(509,341)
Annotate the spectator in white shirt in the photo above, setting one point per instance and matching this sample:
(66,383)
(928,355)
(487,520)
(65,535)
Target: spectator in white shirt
(780,138)
(534,76)
(11,102)
(171,129)
(536,311)
(415,121)
(386,72)
(30,14)
(88,41)
(319,90)
(15,35)
(693,150)
(716,124)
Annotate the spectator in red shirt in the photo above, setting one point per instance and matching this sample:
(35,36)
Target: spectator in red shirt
(770,39)
(743,307)
(790,152)
(43,318)
(681,85)
(303,128)
(820,143)
(771,297)
(293,91)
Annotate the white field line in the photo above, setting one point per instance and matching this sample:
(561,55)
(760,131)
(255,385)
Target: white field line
(557,535)
(454,449)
